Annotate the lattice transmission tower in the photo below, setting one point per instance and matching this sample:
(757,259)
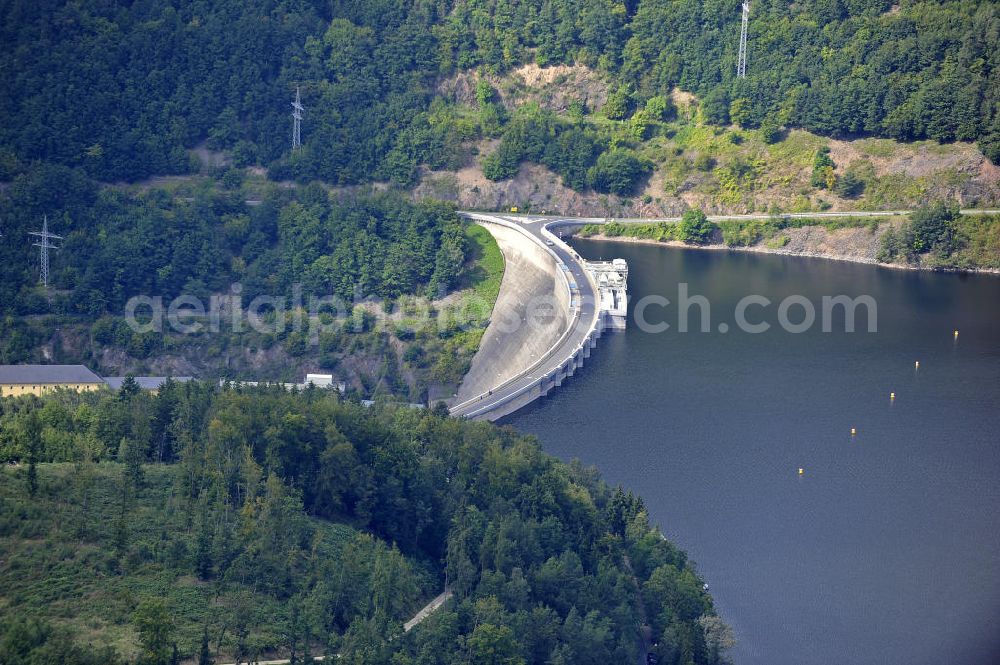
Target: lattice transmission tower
(44,246)
(741,63)
(297,120)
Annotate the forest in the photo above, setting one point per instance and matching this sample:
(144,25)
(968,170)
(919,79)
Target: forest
(119,244)
(364,254)
(121,90)
(207,523)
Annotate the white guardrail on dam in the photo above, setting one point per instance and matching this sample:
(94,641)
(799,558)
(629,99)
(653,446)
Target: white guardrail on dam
(495,402)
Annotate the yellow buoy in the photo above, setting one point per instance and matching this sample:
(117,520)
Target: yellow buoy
(956,333)
(892,395)
(853,431)
(916,364)
(801,471)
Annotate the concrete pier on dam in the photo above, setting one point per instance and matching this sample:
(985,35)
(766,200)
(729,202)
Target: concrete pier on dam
(551,309)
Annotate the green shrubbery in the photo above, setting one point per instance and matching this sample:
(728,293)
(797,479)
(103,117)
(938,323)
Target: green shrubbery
(745,233)
(617,171)
(579,154)
(822,173)
(929,229)
(694,227)
(939,235)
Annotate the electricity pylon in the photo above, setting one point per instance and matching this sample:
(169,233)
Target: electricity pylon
(297,120)
(741,63)
(44,246)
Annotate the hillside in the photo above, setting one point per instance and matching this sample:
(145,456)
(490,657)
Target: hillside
(266,523)
(91,569)
(162,77)
(685,160)
(390,296)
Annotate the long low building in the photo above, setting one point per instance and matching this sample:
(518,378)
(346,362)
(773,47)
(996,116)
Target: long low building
(150,383)
(39,379)
(316,380)
(16,380)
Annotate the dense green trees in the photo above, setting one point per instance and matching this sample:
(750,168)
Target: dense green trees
(118,245)
(155,627)
(935,232)
(36,642)
(120,90)
(832,68)
(532,548)
(581,155)
(617,171)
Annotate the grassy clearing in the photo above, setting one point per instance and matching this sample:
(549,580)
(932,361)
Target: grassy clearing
(797,150)
(486,273)
(476,307)
(893,190)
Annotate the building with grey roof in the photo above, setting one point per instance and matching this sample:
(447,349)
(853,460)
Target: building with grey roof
(38,379)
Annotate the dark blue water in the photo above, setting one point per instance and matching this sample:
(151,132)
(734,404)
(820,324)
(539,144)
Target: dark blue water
(887,548)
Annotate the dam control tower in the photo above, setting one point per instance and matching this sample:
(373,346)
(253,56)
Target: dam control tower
(612,283)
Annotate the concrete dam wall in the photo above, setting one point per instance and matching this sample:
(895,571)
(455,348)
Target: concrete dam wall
(525,355)
(518,337)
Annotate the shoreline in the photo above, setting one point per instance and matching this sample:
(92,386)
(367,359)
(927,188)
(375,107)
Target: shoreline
(759,249)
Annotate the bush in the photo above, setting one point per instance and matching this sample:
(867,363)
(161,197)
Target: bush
(743,234)
(933,228)
(849,185)
(990,145)
(500,165)
(770,131)
(232,178)
(695,227)
(244,154)
(715,107)
(617,172)
(704,162)
(484,92)
(110,331)
(822,174)
(889,247)
(618,105)
(660,108)
(142,345)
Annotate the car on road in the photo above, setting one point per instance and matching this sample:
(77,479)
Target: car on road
(549,243)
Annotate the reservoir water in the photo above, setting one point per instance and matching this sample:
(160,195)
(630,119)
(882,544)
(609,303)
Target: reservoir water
(886,548)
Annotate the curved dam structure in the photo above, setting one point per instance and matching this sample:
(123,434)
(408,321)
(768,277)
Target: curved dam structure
(517,337)
(547,317)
